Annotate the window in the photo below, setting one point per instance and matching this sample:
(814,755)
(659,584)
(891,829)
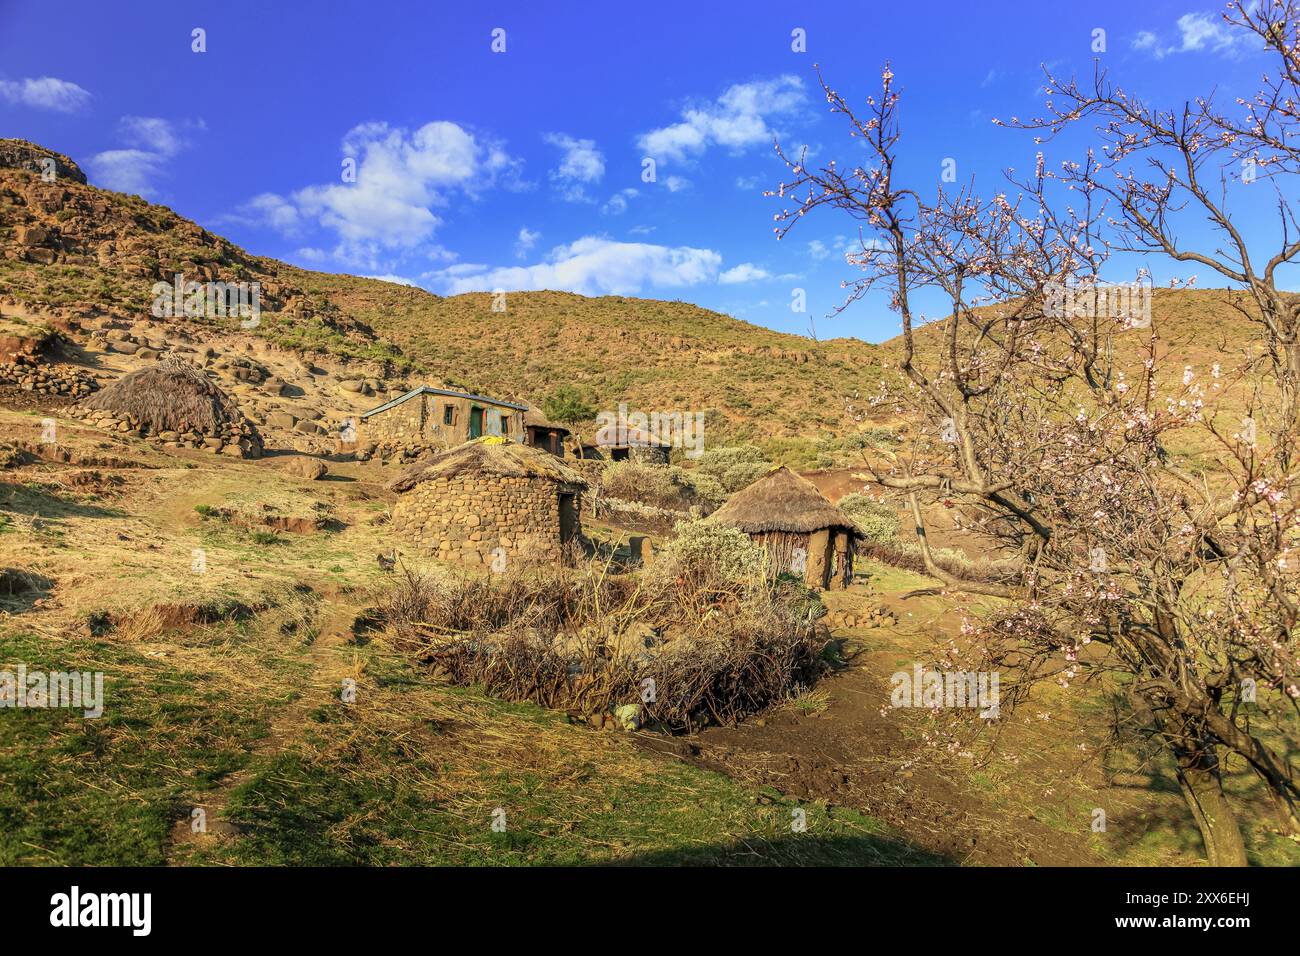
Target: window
(448,414)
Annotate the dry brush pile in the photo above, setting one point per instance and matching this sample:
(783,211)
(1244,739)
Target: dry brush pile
(673,648)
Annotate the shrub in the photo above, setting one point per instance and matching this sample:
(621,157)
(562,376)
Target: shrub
(662,486)
(704,549)
(733,467)
(877,520)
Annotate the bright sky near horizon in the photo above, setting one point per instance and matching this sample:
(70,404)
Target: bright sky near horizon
(523,169)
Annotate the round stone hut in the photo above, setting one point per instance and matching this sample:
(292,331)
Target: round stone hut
(488,500)
(803,532)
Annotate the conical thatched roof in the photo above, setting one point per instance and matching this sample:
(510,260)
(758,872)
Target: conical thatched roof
(781,501)
(172,395)
(489,457)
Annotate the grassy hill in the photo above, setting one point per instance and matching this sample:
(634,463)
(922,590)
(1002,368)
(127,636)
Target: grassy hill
(70,246)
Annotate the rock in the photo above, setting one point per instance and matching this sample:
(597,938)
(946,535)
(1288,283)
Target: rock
(281,420)
(628,716)
(308,469)
(32,235)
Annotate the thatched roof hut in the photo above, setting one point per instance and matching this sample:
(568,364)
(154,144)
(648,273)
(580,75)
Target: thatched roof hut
(176,404)
(541,432)
(488,501)
(800,527)
(489,457)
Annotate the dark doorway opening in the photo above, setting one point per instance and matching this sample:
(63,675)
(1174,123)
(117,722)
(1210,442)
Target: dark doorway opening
(568,517)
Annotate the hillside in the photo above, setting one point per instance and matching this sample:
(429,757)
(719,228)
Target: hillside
(70,248)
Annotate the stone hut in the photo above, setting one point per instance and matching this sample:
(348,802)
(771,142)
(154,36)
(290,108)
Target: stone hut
(488,499)
(627,443)
(801,529)
(541,432)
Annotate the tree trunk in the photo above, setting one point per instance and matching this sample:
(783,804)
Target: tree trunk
(1220,831)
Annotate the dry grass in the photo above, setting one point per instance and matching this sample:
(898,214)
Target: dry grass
(588,642)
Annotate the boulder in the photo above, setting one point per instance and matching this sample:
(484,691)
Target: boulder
(308,469)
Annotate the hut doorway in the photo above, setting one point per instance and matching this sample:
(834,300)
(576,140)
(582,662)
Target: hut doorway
(568,517)
(475,422)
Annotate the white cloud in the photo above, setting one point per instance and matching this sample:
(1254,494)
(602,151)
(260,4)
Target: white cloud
(396,280)
(1198,33)
(676,184)
(154,134)
(126,170)
(45,93)
(597,266)
(817,249)
(616,205)
(151,141)
(737,119)
(581,165)
(526,240)
(268,209)
(745,272)
(400,175)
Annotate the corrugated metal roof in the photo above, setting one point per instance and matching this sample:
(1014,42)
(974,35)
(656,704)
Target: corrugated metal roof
(429,390)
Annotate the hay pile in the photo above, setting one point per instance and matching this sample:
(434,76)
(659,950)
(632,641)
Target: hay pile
(177,406)
(615,650)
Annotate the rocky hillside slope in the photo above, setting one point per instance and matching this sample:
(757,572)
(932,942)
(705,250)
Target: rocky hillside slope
(70,249)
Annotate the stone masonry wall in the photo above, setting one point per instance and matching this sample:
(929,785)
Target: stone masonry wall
(398,425)
(466,518)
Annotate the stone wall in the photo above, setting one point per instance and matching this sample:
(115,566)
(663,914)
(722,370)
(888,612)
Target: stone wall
(466,518)
(400,425)
(418,425)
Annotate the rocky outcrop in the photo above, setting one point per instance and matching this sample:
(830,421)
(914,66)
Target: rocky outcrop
(20,154)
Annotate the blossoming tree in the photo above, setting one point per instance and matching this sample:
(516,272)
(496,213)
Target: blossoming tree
(1146,512)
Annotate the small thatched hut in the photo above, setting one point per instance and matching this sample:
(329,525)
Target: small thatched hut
(489,499)
(798,525)
(541,432)
(174,403)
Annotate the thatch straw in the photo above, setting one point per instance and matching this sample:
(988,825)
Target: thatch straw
(536,418)
(783,502)
(492,457)
(172,395)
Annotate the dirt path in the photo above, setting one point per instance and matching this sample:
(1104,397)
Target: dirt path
(328,663)
(850,755)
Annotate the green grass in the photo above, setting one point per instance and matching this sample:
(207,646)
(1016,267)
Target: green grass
(94,792)
(365,798)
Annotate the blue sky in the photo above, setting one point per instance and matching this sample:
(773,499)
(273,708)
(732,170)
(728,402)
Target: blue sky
(523,169)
